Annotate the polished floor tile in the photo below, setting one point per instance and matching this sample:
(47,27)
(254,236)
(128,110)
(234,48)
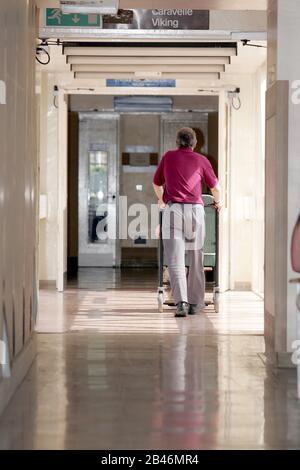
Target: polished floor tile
(112,373)
(125,301)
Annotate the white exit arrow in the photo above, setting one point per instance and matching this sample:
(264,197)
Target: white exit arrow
(75,19)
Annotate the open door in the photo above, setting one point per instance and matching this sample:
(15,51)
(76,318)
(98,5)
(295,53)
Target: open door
(98,189)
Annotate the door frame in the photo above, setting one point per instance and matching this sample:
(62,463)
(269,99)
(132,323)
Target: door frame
(62,190)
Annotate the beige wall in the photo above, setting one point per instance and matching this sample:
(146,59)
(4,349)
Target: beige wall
(258,207)
(276,205)
(282,175)
(48,180)
(19,191)
(244,204)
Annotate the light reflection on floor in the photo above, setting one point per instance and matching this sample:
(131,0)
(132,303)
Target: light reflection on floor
(113,373)
(123,311)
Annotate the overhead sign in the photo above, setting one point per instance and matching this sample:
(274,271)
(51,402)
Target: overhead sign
(55,18)
(159,19)
(140,83)
(177,18)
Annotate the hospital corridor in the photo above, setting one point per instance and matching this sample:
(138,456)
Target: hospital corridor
(121,123)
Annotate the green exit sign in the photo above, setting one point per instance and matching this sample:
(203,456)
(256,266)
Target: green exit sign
(55,18)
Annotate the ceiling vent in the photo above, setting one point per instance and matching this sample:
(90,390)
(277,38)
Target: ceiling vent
(100,7)
(158,104)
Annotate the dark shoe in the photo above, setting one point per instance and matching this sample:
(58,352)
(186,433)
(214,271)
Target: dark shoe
(182,309)
(195,308)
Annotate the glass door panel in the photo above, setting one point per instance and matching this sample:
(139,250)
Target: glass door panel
(98,189)
(97,196)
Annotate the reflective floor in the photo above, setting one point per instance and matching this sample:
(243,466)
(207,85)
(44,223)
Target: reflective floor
(112,373)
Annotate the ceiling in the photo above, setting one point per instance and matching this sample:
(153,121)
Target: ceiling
(127,60)
(190,59)
(246,61)
(193,4)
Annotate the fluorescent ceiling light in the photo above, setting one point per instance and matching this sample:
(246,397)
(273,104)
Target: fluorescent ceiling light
(94,60)
(153,73)
(151,51)
(146,68)
(174,75)
(143,104)
(100,7)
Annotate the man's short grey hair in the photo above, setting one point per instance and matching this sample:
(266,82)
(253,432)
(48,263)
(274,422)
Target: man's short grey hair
(186,137)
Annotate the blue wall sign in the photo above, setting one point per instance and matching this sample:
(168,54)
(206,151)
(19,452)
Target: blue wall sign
(167,83)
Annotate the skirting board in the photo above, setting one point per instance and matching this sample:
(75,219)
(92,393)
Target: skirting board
(47,285)
(20,367)
(242,286)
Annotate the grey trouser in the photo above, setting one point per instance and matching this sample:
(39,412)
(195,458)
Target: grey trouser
(183,231)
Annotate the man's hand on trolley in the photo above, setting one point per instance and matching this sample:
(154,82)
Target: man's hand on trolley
(161,204)
(218,205)
(216,192)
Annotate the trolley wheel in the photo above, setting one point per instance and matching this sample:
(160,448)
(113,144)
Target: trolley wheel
(216,300)
(160,301)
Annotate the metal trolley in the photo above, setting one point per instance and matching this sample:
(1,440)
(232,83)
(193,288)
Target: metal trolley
(211,258)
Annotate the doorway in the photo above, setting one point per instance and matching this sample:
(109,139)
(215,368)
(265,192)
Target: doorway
(112,159)
(140,155)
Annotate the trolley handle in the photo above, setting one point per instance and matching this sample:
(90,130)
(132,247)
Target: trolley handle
(210,205)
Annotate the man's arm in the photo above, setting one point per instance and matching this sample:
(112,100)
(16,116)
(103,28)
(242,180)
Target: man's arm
(159,191)
(213,183)
(216,192)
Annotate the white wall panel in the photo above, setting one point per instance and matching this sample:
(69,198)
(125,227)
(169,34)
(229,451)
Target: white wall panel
(18,183)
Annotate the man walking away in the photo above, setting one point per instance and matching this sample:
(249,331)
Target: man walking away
(178,186)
